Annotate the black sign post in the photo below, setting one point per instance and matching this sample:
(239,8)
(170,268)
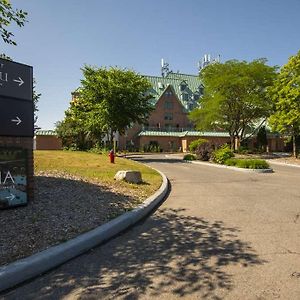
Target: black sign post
(16,117)
(16,120)
(16,80)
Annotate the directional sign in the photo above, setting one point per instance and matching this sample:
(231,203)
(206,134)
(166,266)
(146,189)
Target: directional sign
(15,80)
(16,117)
(13,177)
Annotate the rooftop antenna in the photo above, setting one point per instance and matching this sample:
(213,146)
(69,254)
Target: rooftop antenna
(165,70)
(207,60)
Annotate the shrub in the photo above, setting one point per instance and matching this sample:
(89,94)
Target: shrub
(243,150)
(231,162)
(195,144)
(247,163)
(204,151)
(99,150)
(222,154)
(189,157)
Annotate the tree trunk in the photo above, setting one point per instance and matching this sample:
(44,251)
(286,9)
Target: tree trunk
(237,142)
(294,146)
(232,142)
(111,141)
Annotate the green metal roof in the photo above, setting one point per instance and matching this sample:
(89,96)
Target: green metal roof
(175,80)
(184,133)
(207,133)
(45,132)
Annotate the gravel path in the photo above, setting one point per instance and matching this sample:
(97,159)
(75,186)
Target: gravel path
(64,206)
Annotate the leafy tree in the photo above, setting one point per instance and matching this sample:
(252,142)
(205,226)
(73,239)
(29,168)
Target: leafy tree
(35,97)
(109,101)
(285,94)
(72,134)
(9,15)
(234,97)
(261,138)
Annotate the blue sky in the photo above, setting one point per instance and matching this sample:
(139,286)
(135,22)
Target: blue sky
(63,35)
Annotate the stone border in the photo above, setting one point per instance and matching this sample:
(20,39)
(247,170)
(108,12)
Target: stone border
(36,264)
(230,167)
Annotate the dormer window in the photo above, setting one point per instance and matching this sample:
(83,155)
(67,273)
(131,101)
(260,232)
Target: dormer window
(184,97)
(196,96)
(182,86)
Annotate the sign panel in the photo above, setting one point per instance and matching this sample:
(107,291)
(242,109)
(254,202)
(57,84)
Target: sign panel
(16,118)
(13,177)
(16,80)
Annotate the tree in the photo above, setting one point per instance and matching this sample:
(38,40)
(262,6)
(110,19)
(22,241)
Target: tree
(261,138)
(285,94)
(235,97)
(9,15)
(114,99)
(35,98)
(109,101)
(73,135)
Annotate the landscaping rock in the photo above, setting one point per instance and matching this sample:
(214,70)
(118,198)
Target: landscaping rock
(129,176)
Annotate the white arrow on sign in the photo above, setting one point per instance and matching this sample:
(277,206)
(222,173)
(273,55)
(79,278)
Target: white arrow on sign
(20,81)
(11,197)
(17,120)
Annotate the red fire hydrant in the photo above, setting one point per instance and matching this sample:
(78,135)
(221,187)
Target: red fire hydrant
(111,156)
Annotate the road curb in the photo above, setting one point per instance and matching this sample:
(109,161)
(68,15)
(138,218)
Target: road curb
(32,266)
(230,168)
(282,163)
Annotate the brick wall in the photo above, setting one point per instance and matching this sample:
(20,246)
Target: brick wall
(48,142)
(157,120)
(169,105)
(24,143)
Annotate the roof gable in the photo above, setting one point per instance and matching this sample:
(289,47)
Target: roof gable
(187,95)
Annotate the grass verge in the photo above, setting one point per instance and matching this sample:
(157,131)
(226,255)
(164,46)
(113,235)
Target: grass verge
(97,168)
(247,163)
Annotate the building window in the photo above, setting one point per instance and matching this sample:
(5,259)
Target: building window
(168,93)
(168,127)
(168,105)
(182,86)
(168,116)
(196,96)
(184,97)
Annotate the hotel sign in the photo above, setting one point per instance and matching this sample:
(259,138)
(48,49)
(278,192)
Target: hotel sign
(16,104)
(13,177)
(16,80)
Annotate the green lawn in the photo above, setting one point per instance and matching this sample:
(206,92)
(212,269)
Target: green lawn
(97,168)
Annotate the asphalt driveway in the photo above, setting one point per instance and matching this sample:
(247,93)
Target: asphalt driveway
(221,234)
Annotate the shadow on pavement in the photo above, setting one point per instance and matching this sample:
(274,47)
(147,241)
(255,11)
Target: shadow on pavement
(168,253)
(62,209)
